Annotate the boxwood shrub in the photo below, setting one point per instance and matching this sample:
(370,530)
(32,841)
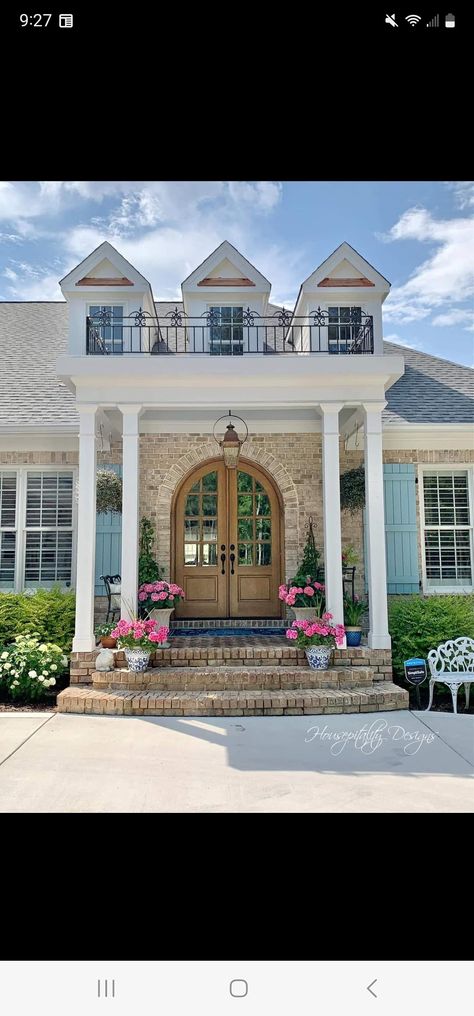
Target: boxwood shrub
(420,623)
(50,612)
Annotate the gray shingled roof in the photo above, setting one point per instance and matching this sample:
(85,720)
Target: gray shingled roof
(33,335)
(430,391)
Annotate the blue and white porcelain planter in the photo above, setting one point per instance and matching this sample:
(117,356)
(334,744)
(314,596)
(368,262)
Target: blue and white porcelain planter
(318,657)
(137,659)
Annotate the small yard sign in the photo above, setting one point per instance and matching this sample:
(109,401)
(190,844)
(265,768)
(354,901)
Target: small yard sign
(415,671)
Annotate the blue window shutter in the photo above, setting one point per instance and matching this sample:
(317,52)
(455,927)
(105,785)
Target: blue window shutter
(108,544)
(401,532)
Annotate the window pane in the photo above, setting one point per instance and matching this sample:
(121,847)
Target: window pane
(190,553)
(49,500)
(209,481)
(196,488)
(245,504)
(209,504)
(48,557)
(245,553)
(258,486)
(7,560)
(7,499)
(244,481)
(246,529)
(192,505)
(208,554)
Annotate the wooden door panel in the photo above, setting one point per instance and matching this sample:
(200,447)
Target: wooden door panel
(201,531)
(255,532)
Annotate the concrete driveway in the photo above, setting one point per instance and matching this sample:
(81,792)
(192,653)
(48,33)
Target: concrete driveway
(384,762)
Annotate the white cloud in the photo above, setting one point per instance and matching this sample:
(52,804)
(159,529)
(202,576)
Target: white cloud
(445,277)
(263,195)
(456,316)
(464,192)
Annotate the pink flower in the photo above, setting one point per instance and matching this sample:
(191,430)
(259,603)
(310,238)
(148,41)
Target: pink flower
(148,587)
(317,585)
(291,633)
(300,624)
(159,636)
(162,596)
(308,591)
(142,596)
(171,596)
(155,597)
(327,617)
(290,600)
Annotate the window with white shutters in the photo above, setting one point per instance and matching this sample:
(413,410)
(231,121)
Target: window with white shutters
(48,528)
(8,535)
(447,528)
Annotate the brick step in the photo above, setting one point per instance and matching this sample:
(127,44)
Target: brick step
(377,697)
(236,678)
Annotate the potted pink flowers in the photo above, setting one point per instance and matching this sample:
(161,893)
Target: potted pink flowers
(305,596)
(318,639)
(138,639)
(159,599)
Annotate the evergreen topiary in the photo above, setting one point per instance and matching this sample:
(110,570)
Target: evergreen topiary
(352,487)
(311,555)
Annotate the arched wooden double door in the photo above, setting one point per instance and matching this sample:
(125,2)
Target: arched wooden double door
(227,543)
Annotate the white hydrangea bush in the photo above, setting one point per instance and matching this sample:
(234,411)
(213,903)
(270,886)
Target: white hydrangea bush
(29,666)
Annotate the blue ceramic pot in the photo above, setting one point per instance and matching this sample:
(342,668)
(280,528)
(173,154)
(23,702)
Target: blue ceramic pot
(137,659)
(353,636)
(318,657)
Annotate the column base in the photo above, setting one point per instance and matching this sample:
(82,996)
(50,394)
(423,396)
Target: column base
(83,645)
(379,641)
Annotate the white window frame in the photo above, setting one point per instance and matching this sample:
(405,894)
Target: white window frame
(445,467)
(113,303)
(21,530)
(232,306)
(11,529)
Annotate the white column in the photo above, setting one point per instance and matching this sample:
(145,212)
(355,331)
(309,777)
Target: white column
(84,639)
(379,637)
(130,483)
(332,511)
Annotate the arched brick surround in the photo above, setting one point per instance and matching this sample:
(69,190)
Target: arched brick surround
(254,453)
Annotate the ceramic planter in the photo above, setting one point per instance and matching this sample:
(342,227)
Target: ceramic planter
(162,618)
(107,642)
(305,613)
(353,635)
(137,659)
(318,657)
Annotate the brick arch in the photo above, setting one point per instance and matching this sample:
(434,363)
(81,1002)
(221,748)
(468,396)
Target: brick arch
(254,453)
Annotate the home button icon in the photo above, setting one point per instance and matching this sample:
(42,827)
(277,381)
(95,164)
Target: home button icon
(238,989)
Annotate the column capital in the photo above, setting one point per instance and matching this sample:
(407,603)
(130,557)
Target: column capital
(130,408)
(330,416)
(87,418)
(373,410)
(130,419)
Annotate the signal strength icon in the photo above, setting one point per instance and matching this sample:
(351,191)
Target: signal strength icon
(413,19)
(434,23)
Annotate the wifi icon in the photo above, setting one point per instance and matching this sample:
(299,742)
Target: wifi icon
(413,19)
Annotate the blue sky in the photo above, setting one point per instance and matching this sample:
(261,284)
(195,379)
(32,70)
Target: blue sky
(420,235)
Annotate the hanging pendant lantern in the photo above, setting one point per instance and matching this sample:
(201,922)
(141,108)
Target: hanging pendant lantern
(231,442)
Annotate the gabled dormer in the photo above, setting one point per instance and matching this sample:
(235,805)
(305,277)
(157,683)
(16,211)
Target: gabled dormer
(349,292)
(225,275)
(106,295)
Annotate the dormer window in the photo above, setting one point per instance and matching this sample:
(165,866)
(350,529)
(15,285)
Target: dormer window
(226,331)
(343,327)
(107,326)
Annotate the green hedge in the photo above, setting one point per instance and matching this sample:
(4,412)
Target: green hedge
(48,612)
(420,623)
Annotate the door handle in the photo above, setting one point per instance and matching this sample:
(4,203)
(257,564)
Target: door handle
(232,559)
(223,559)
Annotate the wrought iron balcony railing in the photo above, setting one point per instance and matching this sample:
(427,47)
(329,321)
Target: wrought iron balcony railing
(245,332)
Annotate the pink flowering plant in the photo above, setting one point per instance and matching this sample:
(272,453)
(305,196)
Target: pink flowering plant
(139,634)
(317,633)
(159,595)
(303,593)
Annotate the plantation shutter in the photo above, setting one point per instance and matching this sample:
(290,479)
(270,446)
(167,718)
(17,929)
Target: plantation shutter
(108,543)
(401,532)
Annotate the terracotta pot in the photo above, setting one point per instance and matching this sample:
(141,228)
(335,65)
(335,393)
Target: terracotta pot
(107,642)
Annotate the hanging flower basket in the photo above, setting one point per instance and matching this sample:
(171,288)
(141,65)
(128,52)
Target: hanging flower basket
(109,492)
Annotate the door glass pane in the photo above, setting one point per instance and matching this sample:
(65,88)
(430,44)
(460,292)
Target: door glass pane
(191,529)
(244,482)
(209,504)
(264,529)
(209,482)
(246,529)
(262,504)
(192,505)
(196,488)
(258,486)
(209,530)
(245,553)
(264,553)
(190,553)
(245,504)
(208,553)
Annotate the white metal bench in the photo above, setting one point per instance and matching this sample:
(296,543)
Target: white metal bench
(452,664)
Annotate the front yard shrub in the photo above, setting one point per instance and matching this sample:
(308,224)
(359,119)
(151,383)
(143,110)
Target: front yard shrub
(29,666)
(419,623)
(48,612)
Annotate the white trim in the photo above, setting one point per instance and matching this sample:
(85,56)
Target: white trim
(449,467)
(104,250)
(21,528)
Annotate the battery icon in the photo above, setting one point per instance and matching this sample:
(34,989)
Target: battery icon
(450,21)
